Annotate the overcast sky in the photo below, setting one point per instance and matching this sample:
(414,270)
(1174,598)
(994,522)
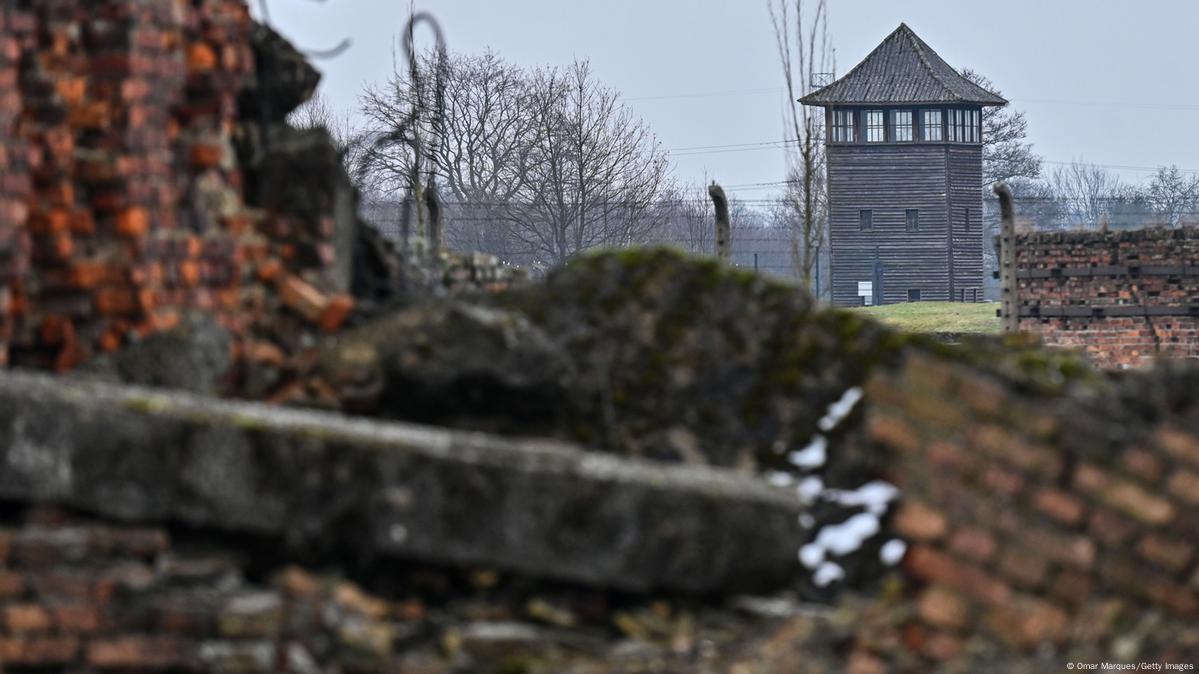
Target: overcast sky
(1107,81)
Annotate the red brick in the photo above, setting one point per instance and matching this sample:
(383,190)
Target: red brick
(201,57)
(927,564)
(25,618)
(943,607)
(1184,484)
(1111,529)
(916,521)
(336,313)
(137,652)
(976,544)
(72,585)
(1072,586)
(950,455)
(1174,555)
(1053,543)
(1061,506)
(1123,495)
(981,394)
(1177,599)
(893,432)
(301,296)
(38,651)
(1024,568)
(1000,479)
(115,302)
(1008,447)
(1141,463)
(76,618)
(1178,443)
(133,222)
(1028,622)
(207,155)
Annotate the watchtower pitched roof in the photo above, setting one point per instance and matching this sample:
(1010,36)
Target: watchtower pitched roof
(903,69)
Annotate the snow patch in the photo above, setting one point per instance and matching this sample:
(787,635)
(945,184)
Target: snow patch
(839,410)
(812,456)
(873,496)
(892,551)
(810,489)
(811,555)
(846,537)
(780,479)
(827,573)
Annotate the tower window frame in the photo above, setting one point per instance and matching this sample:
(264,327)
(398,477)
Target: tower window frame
(876,126)
(902,123)
(843,127)
(866,219)
(932,126)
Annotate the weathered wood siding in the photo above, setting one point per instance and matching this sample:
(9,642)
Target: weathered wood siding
(942,181)
(966,195)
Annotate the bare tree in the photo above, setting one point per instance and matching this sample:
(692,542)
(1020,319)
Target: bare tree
(537,166)
(1085,191)
(804,50)
(685,217)
(1173,195)
(594,171)
(317,113)
(1006,154)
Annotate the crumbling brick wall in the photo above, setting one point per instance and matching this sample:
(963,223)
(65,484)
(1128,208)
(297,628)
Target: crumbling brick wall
(1124,297)
(78,594)
(1036,520)
(123,187)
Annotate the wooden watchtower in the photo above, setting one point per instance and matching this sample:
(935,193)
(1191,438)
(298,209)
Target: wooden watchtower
(903,134)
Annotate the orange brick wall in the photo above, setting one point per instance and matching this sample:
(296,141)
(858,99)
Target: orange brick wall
(14,180)
(1113,341)
(1033,521)
(119,120)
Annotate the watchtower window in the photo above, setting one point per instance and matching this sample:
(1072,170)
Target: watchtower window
(843,126)
(903,125)
(876,126)
(866,219)
(912,219)
(932,125)
(913,294)
(963,126)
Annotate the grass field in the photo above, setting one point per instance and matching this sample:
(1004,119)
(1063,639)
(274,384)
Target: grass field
(938,316)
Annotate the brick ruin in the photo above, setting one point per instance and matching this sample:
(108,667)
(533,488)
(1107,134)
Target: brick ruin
(1048,514)
(1048,510)
(1125,297)
(125,179)
(1035,519)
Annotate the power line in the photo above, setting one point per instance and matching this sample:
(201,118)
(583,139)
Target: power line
(706,94)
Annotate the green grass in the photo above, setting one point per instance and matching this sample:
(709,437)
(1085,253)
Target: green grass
(956,317)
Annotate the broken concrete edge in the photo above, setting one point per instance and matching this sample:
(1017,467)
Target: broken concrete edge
(540,507)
